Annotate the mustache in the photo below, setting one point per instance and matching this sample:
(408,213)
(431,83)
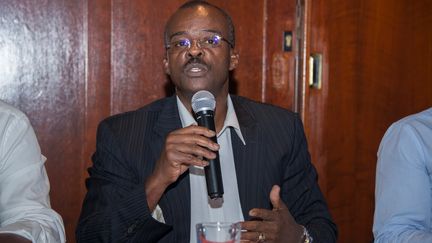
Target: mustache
(195,60)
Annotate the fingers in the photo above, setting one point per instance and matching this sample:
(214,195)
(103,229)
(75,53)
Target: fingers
(189,145)
(252,230)
(194,129)
(273,222)
(254,237)
(185,147)
(180,154)
(274,196)
(264,214)
(194,135)
(191,140)
(275,199)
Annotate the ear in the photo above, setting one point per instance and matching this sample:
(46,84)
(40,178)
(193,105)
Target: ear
(166,66)
(234,59)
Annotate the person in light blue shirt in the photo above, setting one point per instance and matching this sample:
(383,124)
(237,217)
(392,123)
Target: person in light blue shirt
(403,193)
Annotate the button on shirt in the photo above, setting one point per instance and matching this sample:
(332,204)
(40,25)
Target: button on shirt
(403,210)
(24,201)
(202,208)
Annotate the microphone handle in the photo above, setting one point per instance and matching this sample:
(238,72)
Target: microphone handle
(213,173)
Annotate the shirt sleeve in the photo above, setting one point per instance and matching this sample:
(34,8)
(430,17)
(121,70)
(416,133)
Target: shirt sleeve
(24,185)
(403,188)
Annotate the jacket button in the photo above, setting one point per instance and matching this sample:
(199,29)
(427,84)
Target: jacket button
(131,229)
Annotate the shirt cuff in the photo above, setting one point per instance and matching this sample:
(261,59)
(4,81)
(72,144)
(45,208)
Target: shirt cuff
(158,214)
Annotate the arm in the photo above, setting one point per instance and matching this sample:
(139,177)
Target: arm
(183,148)
(301,192)
(117,208)
(403,197)
(24,186)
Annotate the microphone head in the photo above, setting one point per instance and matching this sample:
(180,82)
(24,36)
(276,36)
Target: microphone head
(203,101)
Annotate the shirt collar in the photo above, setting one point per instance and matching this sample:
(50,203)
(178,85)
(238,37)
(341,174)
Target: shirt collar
(230,119)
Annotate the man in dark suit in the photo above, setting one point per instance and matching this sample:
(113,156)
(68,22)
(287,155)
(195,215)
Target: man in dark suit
(144,185)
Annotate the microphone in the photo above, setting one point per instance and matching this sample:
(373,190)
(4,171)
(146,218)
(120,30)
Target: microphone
(203,105)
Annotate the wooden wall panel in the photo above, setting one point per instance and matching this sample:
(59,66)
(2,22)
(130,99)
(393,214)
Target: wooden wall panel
(97,22)
(332,118)
(137,52)
(394,80)
(42,72)
(97,18)
(69,64)
(279,64)
(379,62)
(376,70)
(248,21)
(313,101)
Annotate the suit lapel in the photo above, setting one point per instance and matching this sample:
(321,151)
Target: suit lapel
(175,202)
(248,160)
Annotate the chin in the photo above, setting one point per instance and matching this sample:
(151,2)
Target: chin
(198,84)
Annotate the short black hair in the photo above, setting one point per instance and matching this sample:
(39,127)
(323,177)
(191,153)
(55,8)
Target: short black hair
(194,3)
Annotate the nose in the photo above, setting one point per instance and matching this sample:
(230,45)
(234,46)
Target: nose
(195,49)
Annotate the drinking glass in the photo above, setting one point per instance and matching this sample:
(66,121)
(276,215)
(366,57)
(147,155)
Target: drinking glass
(218,232)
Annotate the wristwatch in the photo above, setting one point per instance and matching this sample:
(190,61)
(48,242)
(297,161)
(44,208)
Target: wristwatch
(306,236)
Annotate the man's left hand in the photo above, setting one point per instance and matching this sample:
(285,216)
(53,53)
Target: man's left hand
(272,226)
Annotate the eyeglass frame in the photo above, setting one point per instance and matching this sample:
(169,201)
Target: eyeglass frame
(190,40)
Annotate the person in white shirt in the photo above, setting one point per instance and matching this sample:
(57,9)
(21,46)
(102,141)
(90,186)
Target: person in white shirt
(25,210)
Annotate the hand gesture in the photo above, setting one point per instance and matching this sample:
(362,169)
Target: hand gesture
(183,147)
(275,226)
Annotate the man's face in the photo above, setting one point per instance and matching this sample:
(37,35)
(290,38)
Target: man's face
(196,59)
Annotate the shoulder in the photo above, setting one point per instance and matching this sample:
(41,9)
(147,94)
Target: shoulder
(273,123)
(423,118)
(409,135)
(11,112)
(16,134)
(265,113)
(416,125)
(150,110)
(12,118)
(260,108)
(139,123)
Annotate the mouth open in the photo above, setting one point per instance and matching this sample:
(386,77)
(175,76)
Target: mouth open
(195,69)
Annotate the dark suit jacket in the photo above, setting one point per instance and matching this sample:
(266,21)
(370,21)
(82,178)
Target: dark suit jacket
(128,146)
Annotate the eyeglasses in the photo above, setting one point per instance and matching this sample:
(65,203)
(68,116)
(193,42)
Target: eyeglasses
(208,42)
